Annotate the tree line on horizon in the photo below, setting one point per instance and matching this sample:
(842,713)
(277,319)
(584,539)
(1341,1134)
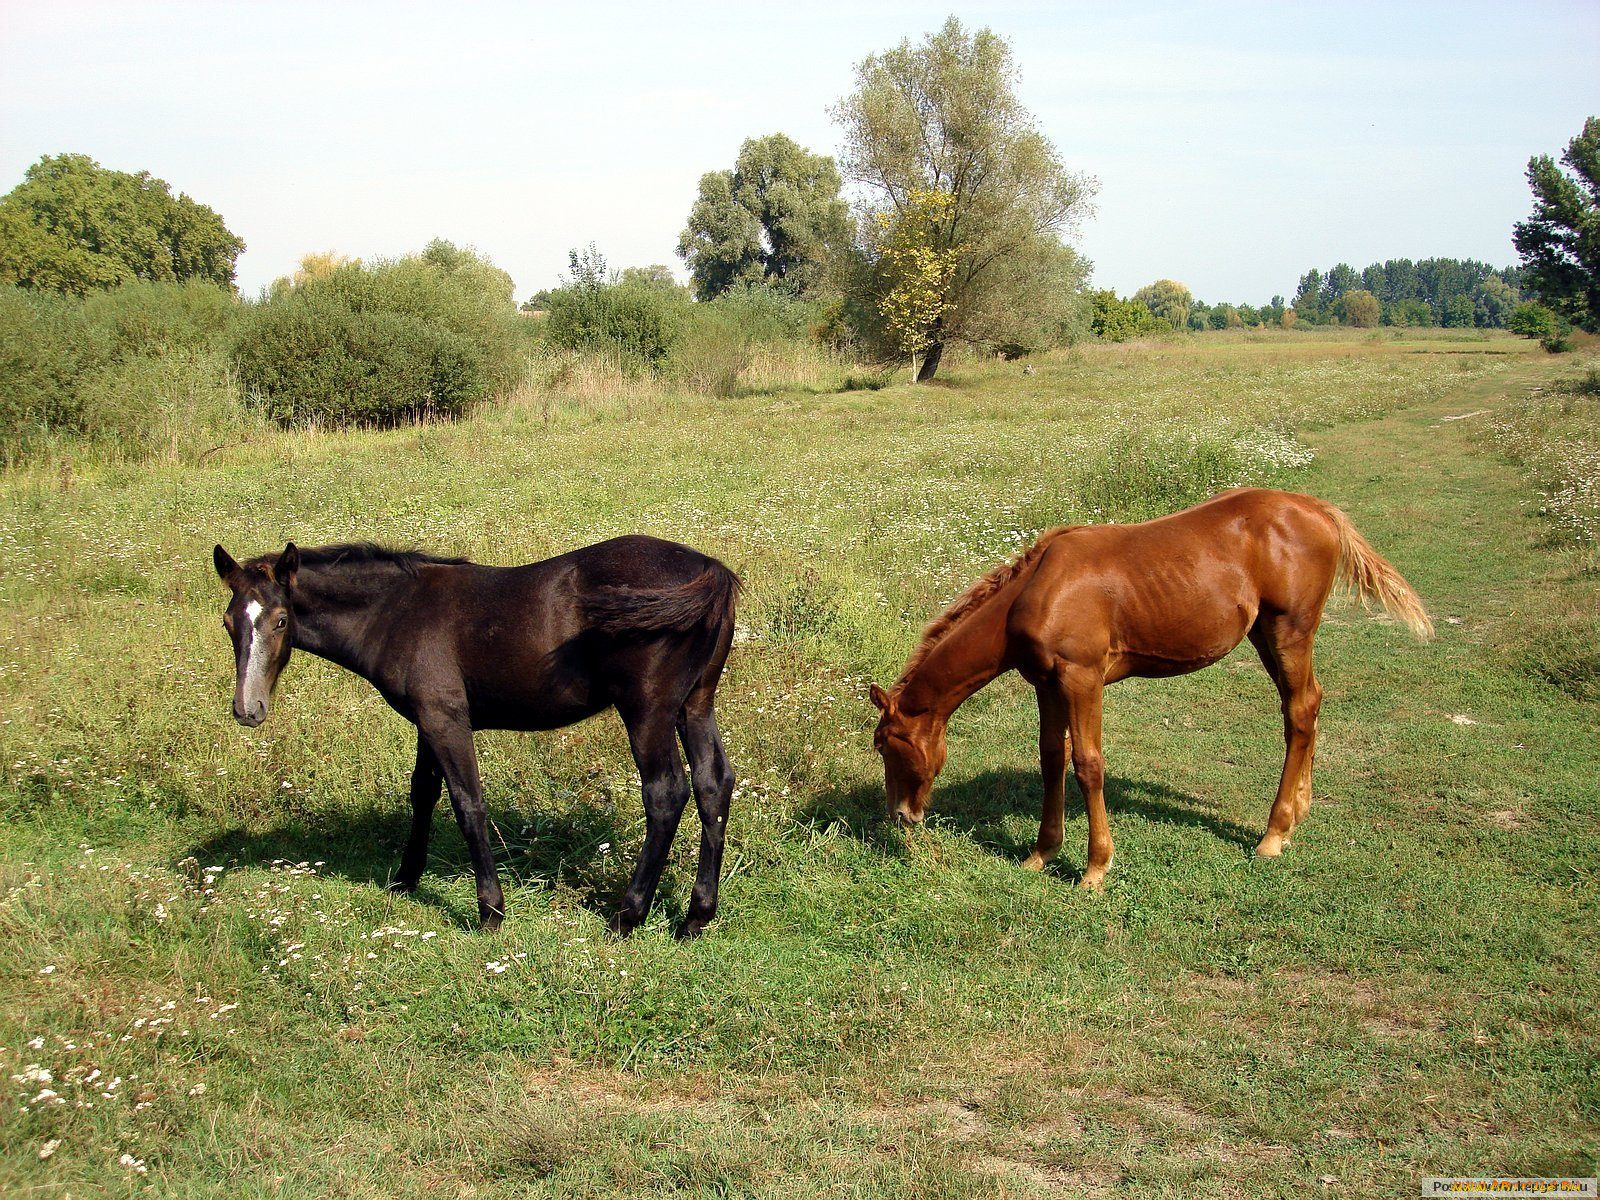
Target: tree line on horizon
(1445,292)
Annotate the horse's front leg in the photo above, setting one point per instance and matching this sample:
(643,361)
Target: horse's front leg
(1053,749)
(426,780)
(653,738)
(448,731)
(1085,690)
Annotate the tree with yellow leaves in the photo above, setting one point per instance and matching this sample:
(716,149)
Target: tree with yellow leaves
(943,117)
(915,273)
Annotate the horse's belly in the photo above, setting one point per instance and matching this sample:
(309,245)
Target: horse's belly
(525,714)
(1150,666)
(1181,648)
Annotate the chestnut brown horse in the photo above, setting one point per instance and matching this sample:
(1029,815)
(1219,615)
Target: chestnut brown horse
(635,623)
(1088,605)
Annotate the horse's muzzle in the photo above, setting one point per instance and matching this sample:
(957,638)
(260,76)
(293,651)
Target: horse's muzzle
(251,714)
(902,816)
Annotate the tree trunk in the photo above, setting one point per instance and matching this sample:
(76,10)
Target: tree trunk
(930,361)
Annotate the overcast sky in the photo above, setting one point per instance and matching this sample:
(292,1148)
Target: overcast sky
(1235,145)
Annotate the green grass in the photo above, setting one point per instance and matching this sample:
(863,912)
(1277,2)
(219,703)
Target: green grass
(197,911)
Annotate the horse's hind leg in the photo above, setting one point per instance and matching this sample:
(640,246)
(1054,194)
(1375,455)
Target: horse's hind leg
(713,795)
(426,780)
(1285,649)
(652,736)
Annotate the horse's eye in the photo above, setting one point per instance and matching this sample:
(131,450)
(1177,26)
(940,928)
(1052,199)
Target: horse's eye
(282,621)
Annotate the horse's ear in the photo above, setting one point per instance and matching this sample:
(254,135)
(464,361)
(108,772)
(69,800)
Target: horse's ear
(880,699)
(224,563)
(287,566)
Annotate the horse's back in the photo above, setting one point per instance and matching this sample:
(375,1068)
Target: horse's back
(636,560)
(1176,593)
(557,640)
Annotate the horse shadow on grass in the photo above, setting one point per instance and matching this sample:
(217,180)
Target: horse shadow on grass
(984,808)
(571,850)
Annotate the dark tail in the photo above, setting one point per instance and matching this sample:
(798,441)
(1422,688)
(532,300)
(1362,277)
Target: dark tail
(706,601)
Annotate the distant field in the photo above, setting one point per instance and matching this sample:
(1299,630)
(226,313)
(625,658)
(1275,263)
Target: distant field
(204,986)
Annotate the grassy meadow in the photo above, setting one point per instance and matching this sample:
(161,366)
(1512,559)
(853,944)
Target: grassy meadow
(205,988)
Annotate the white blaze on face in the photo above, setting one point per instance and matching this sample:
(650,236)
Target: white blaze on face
(252,680)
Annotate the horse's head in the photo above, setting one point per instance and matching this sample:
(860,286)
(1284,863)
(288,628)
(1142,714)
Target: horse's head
(260,620)
(913,751)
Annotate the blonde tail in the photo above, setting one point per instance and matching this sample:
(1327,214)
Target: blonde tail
(1364,571)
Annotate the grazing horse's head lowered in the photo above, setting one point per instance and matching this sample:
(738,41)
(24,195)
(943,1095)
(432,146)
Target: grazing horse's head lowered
(913,752)
(1084,607)
(260,620)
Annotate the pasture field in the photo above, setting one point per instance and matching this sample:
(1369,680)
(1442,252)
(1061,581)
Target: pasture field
(205,988)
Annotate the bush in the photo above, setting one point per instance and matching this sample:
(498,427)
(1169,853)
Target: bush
(720,337)
(46,345)
(637,324)
(1359,308)
(311,358)
(177,401)
(1532,319)
(425,336)
(759,313)
(1408,314)
(1115,320)
(142,317)
(137,366)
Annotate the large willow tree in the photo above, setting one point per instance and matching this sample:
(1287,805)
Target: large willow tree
(943,117)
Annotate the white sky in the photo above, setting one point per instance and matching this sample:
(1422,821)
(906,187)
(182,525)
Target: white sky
(1236,145)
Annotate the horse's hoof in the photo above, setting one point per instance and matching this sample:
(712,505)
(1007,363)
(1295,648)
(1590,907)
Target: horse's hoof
(401,887)
(1093,883)
(1034,862)
(623,924)
(1271,846)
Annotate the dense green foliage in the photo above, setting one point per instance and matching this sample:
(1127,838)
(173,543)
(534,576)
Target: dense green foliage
(423,336)
(1454,293)
(1116,320)
(75,226)
(1546,326)
(775,218)
(45,346)
(635,322)
(1360,308)
(1168,301)
(943,117)
(1445,292)
(1560,242)
(126,366)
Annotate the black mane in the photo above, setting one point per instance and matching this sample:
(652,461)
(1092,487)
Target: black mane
(359,553)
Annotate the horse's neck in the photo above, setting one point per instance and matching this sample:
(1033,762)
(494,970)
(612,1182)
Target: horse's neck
(964,660)
(335,611)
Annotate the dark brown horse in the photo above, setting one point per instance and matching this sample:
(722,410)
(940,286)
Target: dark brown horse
(1088,605)
(634,623)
